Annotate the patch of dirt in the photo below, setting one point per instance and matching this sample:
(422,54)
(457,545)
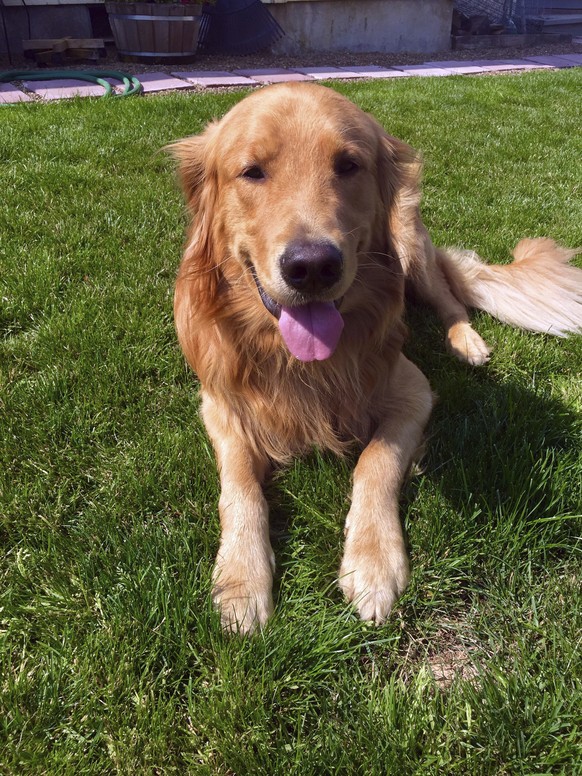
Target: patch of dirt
(453,662)
(451,652)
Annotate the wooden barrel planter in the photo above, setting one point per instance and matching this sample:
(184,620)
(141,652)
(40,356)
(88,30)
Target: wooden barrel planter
(155,32)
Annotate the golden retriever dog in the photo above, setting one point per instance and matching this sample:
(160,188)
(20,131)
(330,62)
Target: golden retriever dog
(288,305)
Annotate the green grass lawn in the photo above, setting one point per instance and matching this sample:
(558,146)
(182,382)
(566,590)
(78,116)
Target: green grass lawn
(111,658)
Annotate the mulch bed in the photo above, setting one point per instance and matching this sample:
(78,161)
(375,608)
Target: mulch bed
(315,58)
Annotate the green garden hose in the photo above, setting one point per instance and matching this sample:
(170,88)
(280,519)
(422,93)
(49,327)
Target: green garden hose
(131,84)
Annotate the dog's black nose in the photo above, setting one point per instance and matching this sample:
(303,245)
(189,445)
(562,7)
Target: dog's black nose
(311,266)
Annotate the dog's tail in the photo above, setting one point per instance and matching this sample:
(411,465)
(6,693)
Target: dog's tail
(539,291)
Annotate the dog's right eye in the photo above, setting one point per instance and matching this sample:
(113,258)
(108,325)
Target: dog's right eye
(346,165)
(253,173)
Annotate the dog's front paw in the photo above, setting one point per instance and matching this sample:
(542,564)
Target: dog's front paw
(464,343)
(242,595)
(373,578)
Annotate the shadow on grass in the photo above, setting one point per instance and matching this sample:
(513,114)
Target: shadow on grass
(489,431)
(498,456)
(503,457)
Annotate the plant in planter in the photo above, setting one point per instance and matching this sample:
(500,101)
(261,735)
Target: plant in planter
(165,32)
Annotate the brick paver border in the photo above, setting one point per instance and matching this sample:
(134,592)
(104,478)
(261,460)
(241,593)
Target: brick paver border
(208,79)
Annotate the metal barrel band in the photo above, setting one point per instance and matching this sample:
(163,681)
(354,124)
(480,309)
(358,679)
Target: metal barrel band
(159,54)
(148,18)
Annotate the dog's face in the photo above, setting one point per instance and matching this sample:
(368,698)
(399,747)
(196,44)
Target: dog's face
(289,182)
(310,169)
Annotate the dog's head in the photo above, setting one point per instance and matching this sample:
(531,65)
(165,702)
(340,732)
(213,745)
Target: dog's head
(300,188)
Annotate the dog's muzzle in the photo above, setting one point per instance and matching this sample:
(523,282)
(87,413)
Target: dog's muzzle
(311,331)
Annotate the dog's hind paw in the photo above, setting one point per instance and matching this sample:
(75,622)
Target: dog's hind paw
(464,343)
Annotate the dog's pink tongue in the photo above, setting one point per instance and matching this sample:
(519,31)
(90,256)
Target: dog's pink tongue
(311,331)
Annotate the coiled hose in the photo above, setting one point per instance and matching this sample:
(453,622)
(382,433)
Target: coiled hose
(131,84)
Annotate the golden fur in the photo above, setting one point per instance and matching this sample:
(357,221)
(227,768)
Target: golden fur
(322,170)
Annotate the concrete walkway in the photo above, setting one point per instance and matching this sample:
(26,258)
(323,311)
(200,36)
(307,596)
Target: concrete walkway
(189,79)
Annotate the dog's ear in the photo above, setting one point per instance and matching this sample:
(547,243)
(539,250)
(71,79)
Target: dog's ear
(399,173)
(196,292)
(399,170)
(193,157)
(197,174)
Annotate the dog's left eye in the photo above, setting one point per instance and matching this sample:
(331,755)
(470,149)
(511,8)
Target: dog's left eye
(253,173)
(345,165)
